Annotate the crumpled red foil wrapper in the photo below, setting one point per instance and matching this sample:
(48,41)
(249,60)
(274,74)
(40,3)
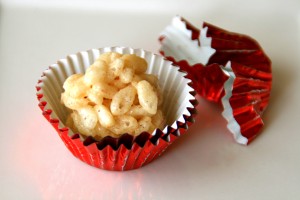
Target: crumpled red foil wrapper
(117,154)
(225,67)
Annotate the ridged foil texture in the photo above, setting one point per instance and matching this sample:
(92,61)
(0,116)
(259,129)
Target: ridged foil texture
(126,152)
(225,67)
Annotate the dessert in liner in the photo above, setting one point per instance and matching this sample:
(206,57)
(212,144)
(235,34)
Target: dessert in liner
(126,152)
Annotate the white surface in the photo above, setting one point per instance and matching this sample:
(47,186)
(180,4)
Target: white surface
(205,164)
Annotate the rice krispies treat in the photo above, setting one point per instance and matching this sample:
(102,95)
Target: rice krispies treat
(114,97)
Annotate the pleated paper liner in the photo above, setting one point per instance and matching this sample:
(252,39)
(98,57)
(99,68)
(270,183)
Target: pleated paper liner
(225,67)
(126,152)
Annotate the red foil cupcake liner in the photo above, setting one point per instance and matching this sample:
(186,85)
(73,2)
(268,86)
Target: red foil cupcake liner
(126,152)
(225,67)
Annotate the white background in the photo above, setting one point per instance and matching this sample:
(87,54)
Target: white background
(204,164)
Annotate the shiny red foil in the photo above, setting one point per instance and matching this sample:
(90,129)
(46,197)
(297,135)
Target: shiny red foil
(119,154)
(252,70)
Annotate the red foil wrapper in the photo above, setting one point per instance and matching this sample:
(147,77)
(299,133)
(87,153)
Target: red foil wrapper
(126,152)
(225,67)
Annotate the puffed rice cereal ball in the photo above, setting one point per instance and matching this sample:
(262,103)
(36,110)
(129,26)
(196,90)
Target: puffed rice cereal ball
(114,97)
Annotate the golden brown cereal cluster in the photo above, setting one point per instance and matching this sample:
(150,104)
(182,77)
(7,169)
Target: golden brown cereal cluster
(113,97)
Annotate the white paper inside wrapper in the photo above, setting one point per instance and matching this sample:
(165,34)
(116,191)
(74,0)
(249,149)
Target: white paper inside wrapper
(179,45)
(175,88)
(227,113)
